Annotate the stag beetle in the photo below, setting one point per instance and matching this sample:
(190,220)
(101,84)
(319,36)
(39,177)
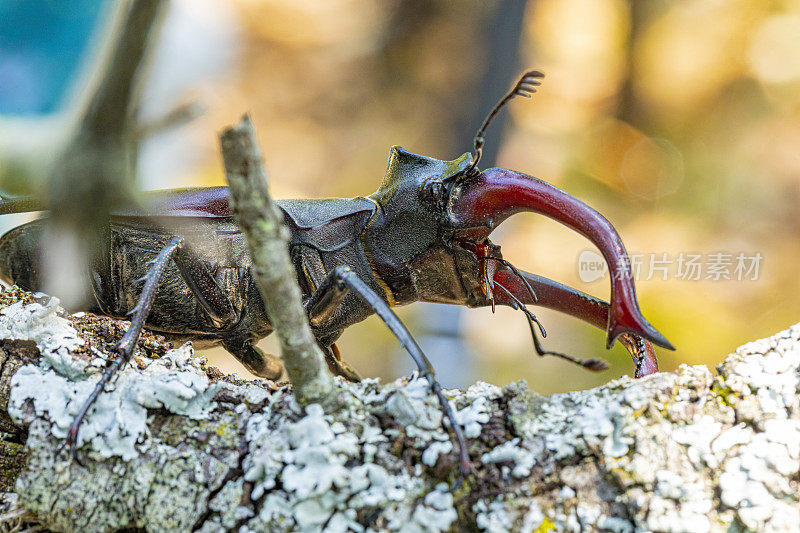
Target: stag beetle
(422,236)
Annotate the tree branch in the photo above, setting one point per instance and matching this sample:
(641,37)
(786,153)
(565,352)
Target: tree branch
(262,222)
(683,451)
(96,169)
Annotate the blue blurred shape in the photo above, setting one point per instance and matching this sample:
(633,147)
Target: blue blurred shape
(42,45)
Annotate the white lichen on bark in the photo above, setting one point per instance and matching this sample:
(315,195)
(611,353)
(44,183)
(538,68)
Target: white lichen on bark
(683,451)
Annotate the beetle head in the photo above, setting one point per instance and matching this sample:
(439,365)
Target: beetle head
(430,238)
(407,241)
(430,241)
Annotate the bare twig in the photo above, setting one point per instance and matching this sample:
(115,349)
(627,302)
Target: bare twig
(175,118)
(95,171)
(262,222)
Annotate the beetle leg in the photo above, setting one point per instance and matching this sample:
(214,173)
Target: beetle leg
(205,288)
(337,366)
(321,306)
(254,358)
(127,344)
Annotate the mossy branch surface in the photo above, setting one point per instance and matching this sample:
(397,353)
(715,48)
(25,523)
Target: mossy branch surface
(176,446)
(262,222)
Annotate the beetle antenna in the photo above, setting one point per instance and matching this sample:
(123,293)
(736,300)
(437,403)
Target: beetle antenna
(516,271)
(595,365)
(526,86)
(522,307)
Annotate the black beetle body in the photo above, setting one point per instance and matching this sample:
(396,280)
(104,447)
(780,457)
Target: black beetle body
(405,241)
(370,235)
(422,236)
(183,268)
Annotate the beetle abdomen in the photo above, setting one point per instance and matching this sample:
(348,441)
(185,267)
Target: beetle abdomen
(20,251)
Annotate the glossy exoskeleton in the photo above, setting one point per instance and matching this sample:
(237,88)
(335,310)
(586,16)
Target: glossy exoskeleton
(422,236)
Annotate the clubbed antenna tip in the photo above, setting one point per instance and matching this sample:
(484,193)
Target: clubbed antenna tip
(595,365)
(526,86)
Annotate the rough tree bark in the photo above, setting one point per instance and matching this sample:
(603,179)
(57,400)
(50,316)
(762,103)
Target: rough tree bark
(177,446)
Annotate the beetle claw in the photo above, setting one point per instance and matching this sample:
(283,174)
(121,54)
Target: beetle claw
(621,320)
(556,296)
(492,196)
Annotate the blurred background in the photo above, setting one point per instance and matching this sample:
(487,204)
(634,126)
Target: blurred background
(678,120)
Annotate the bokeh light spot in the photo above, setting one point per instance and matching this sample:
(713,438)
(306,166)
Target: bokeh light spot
(773,52)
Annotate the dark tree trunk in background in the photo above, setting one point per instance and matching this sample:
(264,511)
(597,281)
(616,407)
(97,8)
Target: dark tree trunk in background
(500,69)
(496,48)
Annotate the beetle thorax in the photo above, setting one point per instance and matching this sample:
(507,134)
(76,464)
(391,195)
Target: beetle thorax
(406,241)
